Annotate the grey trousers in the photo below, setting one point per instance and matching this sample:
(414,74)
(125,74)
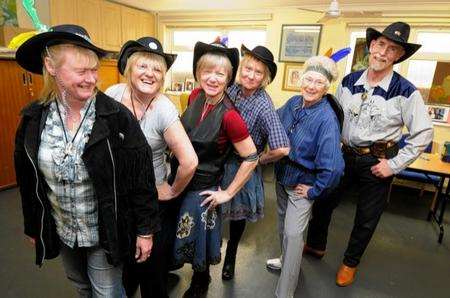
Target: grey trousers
(293,217)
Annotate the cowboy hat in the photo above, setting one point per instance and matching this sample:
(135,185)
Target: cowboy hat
(264,55)
(29,54)
(143,44)
(398,32)
(231,53)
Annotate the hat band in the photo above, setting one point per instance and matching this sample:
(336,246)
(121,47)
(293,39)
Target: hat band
(321,70)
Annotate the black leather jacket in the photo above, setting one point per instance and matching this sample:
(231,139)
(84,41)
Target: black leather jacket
(119,162)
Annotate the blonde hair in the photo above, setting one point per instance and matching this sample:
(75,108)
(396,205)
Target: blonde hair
(56,55)
(324,63)
(154,59)
(247,59)
(210,60)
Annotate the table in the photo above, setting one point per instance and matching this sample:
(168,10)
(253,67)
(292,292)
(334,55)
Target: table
(432,164)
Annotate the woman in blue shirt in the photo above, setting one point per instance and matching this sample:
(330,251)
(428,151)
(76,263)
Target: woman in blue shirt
(312,168)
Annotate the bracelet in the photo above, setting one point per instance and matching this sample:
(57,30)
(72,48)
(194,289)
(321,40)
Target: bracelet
(146,236)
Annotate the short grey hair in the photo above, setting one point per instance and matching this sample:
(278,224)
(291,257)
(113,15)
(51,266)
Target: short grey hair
(323,65)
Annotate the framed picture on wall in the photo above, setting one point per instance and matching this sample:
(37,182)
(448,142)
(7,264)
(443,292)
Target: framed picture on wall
(299,42)
(189,84)
(291,77)
(438,113)
(360,55)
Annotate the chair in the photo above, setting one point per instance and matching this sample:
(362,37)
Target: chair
(423,179)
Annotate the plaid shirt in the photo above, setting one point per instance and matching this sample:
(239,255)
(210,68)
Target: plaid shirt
(262,121)
(71,192)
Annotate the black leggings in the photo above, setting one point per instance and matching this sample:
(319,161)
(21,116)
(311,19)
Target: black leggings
(237,228)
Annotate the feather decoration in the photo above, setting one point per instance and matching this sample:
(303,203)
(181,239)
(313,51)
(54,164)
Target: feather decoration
(342,53)
(328,52)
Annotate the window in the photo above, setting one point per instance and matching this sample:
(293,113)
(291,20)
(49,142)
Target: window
(429,68)
(182,42)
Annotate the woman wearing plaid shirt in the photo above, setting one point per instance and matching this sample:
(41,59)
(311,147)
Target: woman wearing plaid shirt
(255,72)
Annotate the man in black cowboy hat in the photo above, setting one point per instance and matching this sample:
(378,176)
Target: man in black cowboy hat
(377,102)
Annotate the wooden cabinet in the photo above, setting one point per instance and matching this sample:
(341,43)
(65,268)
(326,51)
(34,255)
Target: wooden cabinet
(18,88)
(112,32)
(108,74)
(110,25)
(89,17)
(63,12)
(130,24)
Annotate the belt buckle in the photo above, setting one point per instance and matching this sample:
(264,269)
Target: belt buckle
(379,149)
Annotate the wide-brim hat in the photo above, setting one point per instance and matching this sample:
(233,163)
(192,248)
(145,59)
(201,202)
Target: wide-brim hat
(29,54)
(232,54)
(143,44)
(398,32)
(265,56)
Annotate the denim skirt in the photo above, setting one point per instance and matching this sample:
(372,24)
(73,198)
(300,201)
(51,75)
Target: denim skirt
(199,233)
(248,203)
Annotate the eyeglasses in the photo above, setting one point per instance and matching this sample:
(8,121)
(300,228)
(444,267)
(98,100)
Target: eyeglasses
(317,83)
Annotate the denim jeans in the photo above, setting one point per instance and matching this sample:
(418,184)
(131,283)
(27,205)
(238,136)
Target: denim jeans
(91,274)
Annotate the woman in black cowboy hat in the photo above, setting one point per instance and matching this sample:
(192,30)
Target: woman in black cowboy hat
(215,128)
(83,166)
(256,70)
(144,65)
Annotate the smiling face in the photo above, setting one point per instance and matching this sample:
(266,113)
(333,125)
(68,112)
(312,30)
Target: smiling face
(213,73)
(145,73)
(74,70)
(383,54)
(252,73)
(314,86)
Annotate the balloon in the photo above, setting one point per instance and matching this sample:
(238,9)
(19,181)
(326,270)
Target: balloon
(31,11)
(19,39)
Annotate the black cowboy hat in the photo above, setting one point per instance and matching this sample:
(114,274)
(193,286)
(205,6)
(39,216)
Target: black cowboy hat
(264,55)
(231,53)
(29,54)
(398,32)
(143,44)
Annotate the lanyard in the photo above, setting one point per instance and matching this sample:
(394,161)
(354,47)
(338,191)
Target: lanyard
(134,110)
(68,149)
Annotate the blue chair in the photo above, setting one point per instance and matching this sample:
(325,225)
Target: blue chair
(423,179)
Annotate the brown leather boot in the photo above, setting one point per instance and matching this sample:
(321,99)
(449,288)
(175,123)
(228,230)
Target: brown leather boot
(345,276)
(318,254)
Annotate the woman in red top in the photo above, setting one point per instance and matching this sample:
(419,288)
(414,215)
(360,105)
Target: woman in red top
(214,128)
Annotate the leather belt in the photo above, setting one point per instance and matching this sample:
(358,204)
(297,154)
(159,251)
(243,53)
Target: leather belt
(377,149)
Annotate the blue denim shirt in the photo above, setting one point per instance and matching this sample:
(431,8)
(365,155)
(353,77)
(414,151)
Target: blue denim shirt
(316,157)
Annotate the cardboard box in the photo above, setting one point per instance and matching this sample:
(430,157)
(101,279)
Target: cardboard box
(8,32)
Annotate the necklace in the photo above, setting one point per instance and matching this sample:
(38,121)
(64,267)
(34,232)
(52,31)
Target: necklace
(134,110)
(68,148)
(205,107)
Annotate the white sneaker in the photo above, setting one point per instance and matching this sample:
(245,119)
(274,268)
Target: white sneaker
(274,264)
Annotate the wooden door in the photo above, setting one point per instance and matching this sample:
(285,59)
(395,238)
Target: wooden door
(13,97)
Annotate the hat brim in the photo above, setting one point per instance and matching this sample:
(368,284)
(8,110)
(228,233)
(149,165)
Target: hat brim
(409,48)
(132,46)
(29,54)
(202,48)
(270,64)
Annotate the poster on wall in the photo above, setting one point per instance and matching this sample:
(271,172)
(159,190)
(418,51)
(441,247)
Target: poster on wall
(8,14)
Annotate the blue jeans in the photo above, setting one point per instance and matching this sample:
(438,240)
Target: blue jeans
(91,274)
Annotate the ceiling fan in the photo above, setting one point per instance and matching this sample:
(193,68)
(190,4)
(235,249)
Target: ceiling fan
(333,11)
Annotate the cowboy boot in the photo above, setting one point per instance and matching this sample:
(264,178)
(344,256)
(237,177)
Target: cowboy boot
(229,262)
